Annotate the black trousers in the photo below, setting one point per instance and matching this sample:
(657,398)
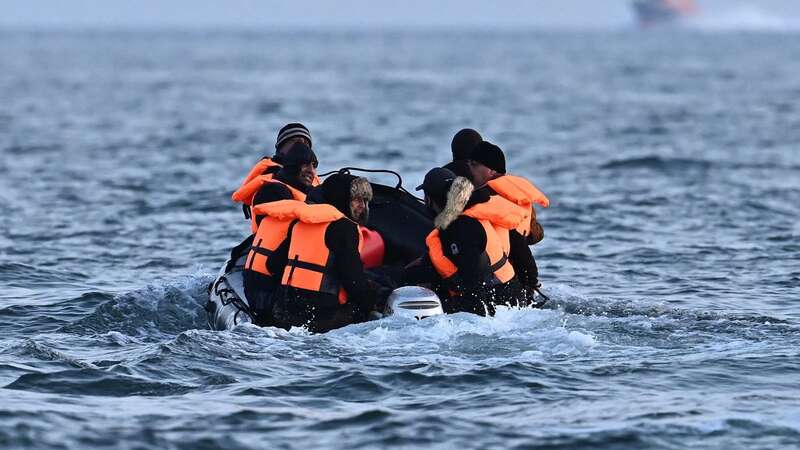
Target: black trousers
(318,312)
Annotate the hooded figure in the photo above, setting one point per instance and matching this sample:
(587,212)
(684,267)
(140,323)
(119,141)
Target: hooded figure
(468,250)
(323,283)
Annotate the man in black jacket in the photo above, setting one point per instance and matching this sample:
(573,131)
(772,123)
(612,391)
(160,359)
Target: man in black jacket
(345,295)
(487,162)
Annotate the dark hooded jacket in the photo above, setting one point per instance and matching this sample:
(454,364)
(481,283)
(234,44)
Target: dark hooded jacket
(321,311)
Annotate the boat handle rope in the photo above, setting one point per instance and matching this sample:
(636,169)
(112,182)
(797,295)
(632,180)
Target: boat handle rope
(399,186)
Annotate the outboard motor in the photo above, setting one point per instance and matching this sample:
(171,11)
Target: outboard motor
(413,301)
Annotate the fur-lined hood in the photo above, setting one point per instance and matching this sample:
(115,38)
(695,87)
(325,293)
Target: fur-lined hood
(360,188)
(457,197)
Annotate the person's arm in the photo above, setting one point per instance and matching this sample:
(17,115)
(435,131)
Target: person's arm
(271,192)
(341,238)
(464,243)
(521,260)
(537,232)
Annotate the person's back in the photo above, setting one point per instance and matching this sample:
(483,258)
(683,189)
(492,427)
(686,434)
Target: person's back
(488,173)
(323,285)
(468,248)
(266,259)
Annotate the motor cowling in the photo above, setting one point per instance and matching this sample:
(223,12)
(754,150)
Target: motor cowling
(413,301)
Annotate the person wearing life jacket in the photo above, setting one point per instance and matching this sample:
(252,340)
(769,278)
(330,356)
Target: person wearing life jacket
(468,250)
(266,259)
(461,146)
(289,135)
(488,173)
(323,284)
(292,181)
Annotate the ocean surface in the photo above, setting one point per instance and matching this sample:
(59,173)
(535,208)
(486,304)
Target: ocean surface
(672,248)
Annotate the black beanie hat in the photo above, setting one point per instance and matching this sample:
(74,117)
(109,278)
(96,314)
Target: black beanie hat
(299,154)
(490,156)
(291,130)
(464,142)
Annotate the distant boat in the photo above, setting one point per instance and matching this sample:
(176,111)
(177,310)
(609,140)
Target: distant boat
(657,12)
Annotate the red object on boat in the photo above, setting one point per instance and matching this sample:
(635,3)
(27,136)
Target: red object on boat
(372,249)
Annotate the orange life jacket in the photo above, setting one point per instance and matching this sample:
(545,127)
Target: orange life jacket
(261,166)
(497,216)
(271,233)
(247,193)
(521,192)
(258,170)
(310,263)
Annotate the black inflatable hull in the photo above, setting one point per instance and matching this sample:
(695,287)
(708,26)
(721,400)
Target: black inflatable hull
(402,220)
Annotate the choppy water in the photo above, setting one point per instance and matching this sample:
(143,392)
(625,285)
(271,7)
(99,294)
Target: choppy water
(671,247)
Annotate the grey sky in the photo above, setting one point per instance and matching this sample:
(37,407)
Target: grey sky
(360,13)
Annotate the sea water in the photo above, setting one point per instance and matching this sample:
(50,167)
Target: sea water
(671,248)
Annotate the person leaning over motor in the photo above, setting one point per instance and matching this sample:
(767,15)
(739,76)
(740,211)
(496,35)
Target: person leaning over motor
(323,284)
(467,249)
(292,181)
(268,166)
(488,169)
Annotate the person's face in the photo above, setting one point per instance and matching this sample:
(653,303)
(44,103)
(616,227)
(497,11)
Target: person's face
(307,174)
(360,210)
(480,173)
(289,142)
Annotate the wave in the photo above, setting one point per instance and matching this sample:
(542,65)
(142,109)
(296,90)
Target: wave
(91,381)
(151,312)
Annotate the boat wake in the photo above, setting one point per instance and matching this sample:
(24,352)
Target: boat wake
(571,323)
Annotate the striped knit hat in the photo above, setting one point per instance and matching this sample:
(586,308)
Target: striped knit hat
(292,130)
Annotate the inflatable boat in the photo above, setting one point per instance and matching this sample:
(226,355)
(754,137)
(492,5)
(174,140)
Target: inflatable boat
(401,220)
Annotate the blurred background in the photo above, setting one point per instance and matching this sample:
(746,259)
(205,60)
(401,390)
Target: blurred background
(269,15)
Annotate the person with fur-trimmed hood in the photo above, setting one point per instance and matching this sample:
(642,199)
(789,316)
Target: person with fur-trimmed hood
(468,250)
(323,284)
